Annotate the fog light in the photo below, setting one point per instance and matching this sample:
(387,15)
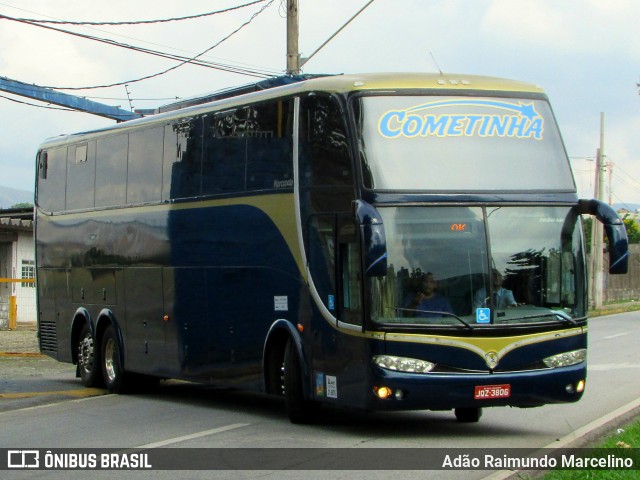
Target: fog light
(383,392)
(399,395)
(577,388)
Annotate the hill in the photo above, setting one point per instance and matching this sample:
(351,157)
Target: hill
(632,207)
(11,196)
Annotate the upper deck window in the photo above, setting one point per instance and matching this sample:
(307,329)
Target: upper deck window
(461,144)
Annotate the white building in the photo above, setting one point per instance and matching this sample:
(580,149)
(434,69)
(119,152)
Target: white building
(17,267)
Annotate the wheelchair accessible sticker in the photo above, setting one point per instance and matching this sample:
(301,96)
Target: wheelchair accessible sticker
(483,315)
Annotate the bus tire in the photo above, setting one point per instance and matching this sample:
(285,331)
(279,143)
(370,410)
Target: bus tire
(115,378)
(468,415)
(88,364)
(299,409)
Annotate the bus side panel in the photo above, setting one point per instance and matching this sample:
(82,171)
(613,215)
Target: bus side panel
(193,289)
(340,363)
(234,275)
(146,327)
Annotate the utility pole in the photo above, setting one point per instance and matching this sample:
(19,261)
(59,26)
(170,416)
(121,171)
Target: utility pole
(597,232)
(294,61)
(293,32)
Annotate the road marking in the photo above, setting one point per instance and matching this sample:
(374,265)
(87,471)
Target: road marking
(83,392)
(616,335)
(65,402)
(605,367)
(184,438)
(20,354)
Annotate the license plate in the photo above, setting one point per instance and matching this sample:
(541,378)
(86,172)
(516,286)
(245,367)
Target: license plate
(487,392)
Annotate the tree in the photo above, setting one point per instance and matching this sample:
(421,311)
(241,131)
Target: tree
(630,224)
(633,230)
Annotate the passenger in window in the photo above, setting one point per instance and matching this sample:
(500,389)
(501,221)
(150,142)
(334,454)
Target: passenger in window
(428,302)
(502,297)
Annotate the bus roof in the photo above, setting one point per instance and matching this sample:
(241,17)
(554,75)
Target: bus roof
(291,85)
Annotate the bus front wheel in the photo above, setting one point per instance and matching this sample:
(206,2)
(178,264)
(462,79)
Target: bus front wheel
(299,409)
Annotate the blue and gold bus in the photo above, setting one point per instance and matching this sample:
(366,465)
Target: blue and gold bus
(375,241)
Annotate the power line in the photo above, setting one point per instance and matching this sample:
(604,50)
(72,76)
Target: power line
(140,22)
(183,60)
(193,60)
(39,106)
(241,68)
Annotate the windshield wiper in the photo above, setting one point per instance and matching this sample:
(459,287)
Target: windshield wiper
(436,315)
(557,315)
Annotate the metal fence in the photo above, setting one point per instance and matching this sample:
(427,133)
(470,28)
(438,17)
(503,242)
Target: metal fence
(19,305)
(618,288)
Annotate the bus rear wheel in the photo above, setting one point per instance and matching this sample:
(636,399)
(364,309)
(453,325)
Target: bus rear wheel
(112,371)
(468,415)
(88,359)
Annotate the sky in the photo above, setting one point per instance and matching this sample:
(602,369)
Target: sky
(584,53)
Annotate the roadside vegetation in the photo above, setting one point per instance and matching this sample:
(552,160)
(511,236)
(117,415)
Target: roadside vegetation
(627,436)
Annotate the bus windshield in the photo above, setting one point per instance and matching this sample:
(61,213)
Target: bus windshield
(460,144)
(475,266)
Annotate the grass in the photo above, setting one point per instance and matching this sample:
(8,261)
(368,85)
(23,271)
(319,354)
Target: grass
(624,437)
(615,307)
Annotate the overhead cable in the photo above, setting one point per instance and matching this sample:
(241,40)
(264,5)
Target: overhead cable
(140,22)
(183,60)
(39,106)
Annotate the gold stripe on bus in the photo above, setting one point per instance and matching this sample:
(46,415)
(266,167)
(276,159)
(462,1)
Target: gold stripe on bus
(279,207)
(499,346)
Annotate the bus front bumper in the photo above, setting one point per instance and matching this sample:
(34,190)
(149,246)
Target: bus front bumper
(392,390)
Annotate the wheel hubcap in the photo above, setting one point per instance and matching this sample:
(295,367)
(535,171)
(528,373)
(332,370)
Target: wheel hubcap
(109,360)
(85,353)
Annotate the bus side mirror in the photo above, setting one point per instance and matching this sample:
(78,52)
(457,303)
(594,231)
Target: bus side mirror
(374,243)
(615,230)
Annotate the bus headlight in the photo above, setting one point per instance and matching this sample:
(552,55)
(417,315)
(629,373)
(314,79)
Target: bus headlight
(403,364)
(566,359)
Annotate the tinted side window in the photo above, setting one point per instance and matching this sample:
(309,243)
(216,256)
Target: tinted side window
(270,146)
(182,158)
(144,172)
(111,170)
(324,150)
(225,152)
(81,171)
(52,175)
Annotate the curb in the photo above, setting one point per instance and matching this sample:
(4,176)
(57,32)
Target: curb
(581,437)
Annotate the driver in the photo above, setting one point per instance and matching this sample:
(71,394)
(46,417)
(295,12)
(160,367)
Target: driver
(502,297)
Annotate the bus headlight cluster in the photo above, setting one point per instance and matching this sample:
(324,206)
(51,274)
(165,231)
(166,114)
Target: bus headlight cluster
(566,359)
(403,364)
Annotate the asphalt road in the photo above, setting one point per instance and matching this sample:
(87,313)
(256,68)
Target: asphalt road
(44,406)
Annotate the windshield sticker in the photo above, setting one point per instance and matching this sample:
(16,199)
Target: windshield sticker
(514,120)
(483,315)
